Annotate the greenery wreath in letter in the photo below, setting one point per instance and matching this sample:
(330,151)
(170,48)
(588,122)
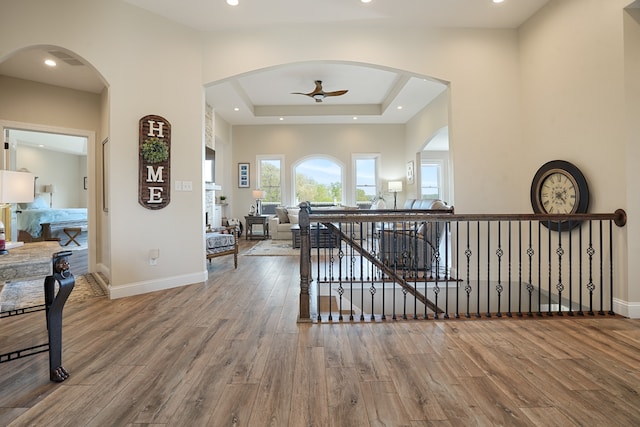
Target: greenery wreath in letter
(155,150)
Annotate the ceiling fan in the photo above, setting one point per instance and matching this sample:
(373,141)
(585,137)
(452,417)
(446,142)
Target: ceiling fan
(318,94)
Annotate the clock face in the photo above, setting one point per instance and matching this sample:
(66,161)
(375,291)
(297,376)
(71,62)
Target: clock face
(558,193)
(559,188)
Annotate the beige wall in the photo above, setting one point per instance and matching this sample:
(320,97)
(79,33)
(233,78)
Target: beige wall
(65,171)
(299,141)
(555,89)
(151,66)
(574,108)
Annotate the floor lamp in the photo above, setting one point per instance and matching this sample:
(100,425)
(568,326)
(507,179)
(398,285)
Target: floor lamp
(15,187)
(395,187)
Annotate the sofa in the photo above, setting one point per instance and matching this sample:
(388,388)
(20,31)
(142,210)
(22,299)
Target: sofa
(405,246)
(280,224)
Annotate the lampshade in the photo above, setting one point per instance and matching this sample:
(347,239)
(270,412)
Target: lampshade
(258,194)
(395,186)
(49,188)
(16,187)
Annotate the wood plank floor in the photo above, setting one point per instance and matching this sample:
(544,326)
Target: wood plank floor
(229,352)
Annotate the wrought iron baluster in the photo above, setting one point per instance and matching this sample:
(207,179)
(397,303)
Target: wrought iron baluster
(478,258)
(488,313)
(509,274)
(550,272)
(436,257)
(570,313)
(457,278)
(468,288)
(601,311)
(499,254)
(590,252)
(559,285)
(611,267)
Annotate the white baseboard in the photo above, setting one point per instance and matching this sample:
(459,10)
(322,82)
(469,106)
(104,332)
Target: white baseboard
(626,309)
(138,288)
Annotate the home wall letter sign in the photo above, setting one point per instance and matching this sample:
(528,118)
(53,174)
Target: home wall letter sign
(154,153)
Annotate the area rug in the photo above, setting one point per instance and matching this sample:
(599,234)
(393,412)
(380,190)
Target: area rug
(23,293)
(273,248)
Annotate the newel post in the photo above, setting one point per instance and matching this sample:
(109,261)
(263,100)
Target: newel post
(305,263)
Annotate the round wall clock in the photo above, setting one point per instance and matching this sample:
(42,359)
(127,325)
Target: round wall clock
(559,188)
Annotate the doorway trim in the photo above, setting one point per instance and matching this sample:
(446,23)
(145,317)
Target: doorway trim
(91,171)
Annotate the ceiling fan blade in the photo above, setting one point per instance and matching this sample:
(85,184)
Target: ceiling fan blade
(336,93)
(318,94)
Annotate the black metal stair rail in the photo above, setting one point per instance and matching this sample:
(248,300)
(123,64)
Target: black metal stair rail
(492,257)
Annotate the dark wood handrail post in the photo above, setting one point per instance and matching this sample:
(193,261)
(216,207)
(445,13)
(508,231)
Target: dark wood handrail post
(305,263)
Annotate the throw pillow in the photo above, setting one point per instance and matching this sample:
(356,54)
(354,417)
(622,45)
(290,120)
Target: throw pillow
(293,215)
(282,215)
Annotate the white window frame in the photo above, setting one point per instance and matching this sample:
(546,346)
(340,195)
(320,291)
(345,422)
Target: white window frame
(280,157)
(354,178)
(312,157)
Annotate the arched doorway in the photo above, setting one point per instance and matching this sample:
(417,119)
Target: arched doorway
(66,100)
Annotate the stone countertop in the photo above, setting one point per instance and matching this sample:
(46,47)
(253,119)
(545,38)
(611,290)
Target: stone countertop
(29,260)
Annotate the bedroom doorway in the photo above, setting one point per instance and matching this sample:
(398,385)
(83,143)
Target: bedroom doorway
(58,159)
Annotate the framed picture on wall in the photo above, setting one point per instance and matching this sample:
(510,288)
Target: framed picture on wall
(243,175)
(410,173)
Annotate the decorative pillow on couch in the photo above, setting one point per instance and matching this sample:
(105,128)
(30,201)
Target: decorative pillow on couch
(293,214)
(282,215)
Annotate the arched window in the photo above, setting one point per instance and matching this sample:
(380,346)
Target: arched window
(318,180)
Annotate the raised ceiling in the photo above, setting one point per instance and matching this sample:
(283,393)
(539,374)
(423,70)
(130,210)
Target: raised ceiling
(264,96)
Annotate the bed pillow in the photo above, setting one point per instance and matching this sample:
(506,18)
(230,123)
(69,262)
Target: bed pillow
(38,203)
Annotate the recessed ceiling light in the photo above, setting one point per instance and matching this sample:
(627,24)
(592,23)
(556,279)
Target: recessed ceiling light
(498,1)
(281,118)
(232,2)
(355,118)
(365,1)
(50,63)
(236,109)
(399,107)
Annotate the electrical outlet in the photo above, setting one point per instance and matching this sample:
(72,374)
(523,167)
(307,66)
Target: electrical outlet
(187,186)
(154,254)
(178,185)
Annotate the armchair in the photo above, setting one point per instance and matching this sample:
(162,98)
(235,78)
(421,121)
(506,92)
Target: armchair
(222,242)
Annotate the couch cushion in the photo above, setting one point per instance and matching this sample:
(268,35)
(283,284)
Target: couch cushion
(282,214)
(408,204)
(293,214)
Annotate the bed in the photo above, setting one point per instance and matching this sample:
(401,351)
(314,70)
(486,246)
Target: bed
(43,223)
(222,242)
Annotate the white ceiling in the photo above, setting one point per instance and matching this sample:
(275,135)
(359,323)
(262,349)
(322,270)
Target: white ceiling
(265,96)
(216,15)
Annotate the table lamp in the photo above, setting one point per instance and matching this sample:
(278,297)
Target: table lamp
(258,195)
(395,187)
(15,187)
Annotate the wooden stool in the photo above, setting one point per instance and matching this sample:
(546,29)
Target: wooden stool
(72,233)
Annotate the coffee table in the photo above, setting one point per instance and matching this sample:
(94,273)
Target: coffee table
(319,239)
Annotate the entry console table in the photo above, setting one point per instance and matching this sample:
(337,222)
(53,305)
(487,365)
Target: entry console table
(252,220)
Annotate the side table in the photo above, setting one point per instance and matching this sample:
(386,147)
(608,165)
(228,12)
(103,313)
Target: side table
(252,220)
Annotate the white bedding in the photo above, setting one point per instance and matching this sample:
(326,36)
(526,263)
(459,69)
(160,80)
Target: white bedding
(29,220)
